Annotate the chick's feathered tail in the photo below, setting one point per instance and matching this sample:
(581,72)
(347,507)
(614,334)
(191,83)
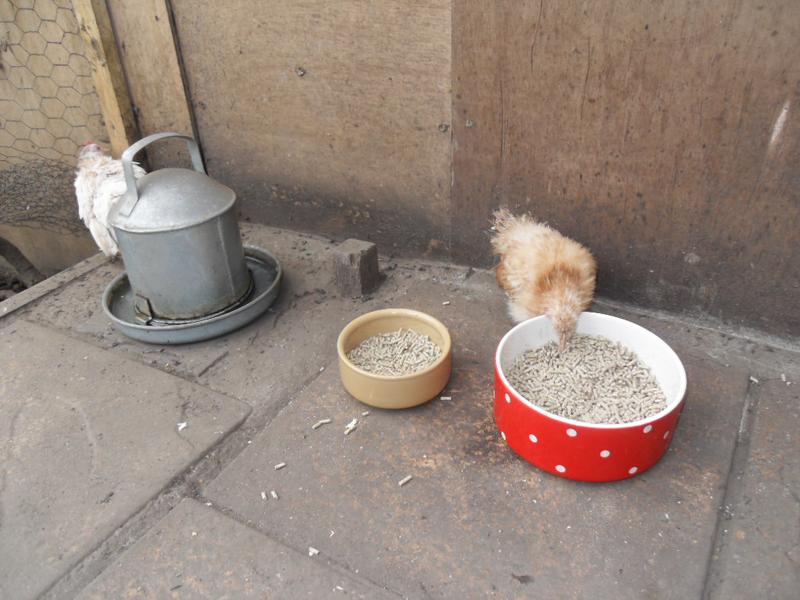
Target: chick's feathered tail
(542,271)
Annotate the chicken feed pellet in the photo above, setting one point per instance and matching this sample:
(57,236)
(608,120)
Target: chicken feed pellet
(594,380)
(400,352)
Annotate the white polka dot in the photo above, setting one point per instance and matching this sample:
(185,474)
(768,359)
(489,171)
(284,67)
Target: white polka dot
(666,434)
(561,468)
(508,398)
(503,435)
(571,432)
(605,453)
(532,437)
(648,428)
(633,470)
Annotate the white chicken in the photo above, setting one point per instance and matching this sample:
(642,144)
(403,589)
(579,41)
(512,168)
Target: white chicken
(99,185)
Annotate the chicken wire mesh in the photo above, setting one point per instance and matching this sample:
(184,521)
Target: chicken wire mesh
(48,109)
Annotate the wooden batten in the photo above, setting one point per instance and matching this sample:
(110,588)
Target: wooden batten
(109,81)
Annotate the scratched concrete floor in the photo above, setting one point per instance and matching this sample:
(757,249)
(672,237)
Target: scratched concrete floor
(103,497)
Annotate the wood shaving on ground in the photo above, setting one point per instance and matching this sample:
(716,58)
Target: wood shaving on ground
(446,303)
(312,551)
(594,380)
(365,413)
(348,429)
(445,397)
(753,379)
(279,466)
(405,480)
(396,353)
(320,423)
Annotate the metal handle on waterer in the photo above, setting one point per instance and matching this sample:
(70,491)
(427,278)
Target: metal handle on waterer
(131,193)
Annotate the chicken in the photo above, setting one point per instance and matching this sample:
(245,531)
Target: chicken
(99,185)
(542,272)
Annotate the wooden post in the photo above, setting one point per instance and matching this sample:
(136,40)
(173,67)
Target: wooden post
(109,81)
(355,266)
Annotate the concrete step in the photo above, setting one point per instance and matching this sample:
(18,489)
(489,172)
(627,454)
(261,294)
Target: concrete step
(88,438)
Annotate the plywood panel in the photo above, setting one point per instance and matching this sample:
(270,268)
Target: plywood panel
(149,55)
(331,116)
(662,135)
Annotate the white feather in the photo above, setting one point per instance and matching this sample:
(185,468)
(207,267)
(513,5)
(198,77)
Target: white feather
(99,185)
(517,312)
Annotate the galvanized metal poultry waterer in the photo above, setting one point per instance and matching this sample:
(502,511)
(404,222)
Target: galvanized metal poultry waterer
(180,241)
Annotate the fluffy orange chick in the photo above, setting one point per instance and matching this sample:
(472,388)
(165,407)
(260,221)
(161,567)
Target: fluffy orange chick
(542,272)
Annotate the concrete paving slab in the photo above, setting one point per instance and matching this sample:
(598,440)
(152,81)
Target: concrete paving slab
(649,537)
(758,541)
(476,521)
(260,363)
(265,362)
(88,437)
(197,552)
(76,309)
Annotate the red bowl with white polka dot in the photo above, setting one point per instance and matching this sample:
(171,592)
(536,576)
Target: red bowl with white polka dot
(579,450)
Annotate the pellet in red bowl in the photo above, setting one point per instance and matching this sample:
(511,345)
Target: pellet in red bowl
(576,449)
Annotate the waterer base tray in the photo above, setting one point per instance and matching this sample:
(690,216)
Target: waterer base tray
(266,272)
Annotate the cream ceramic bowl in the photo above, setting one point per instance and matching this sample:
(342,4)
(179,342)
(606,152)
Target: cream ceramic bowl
(385,391)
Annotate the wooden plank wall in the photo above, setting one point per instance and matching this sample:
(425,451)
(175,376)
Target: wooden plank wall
(152,65)
(327,116)
(664,135)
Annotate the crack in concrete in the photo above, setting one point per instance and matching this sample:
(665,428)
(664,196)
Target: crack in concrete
(3,476)
(186,404)
(212,364)
(88,431)
(731,486)
(787,486)
(12,432)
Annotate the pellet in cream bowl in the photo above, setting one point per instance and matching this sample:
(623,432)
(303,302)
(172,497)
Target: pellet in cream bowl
(604,409)
(394,358)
